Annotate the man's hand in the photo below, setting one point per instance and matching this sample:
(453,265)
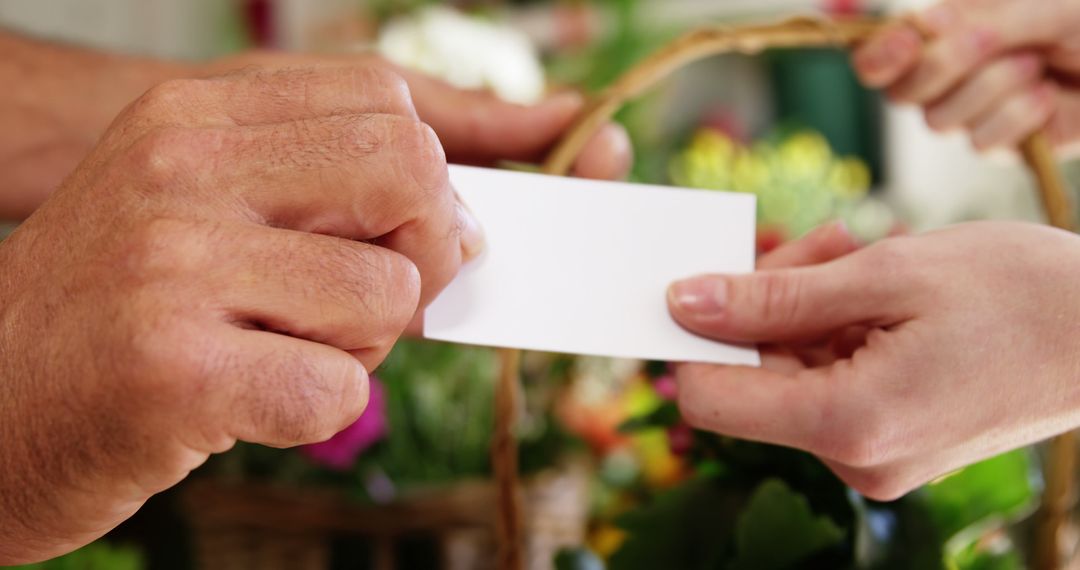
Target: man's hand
(899,362)
(59,100)
(996,69)
(476,127)
(228,264)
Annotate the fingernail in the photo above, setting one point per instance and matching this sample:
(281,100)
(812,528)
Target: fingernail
(840,228)
(1028,65)
(843,233)
(472,233)
(564,99)
(700,296)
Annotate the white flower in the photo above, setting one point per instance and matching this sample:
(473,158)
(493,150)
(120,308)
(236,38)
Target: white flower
(467,52)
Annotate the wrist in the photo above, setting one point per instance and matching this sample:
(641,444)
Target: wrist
(56,102)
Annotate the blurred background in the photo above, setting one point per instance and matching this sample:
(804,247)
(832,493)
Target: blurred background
(613,477)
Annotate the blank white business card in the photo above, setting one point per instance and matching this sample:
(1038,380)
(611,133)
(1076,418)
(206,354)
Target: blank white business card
(582,267)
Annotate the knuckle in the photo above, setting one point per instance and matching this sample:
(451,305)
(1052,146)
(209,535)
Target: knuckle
(397,96)
(293,419)
(311,402)
(354,395)
(163,156)
(778,297)
(346,136)
(388,285)
(162,246)
(423,156)
(401,293)
(167,98)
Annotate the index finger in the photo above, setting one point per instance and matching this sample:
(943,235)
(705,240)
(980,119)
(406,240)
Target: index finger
(888,56)
(821,245)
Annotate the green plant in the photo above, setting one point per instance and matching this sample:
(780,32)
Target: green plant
(755,506)
(97,556)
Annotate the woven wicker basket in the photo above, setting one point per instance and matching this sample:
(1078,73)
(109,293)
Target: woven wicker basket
(270,528)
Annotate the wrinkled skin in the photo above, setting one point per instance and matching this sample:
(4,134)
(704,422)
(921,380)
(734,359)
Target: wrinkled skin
(59,100)
(245,242)
(227,264)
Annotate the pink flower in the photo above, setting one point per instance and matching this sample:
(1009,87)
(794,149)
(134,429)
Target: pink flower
(666,387)
(341,451)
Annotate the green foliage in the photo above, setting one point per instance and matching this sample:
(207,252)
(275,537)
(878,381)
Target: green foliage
(974,558)
(439,406)
(777,529)
(687,528)
(665,415)
(755,506)
(384,9)
(96,556)
(709,524)
(985,493)
(959,522)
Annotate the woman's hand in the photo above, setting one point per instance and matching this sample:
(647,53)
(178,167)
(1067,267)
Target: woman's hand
(899,362)
(996,69)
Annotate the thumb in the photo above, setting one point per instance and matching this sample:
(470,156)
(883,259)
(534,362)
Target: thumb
(796,304)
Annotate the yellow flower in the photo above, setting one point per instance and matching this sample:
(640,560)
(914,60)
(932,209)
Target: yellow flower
(849,178)
(751,172)
(706,163)
(805,155)
(605,540)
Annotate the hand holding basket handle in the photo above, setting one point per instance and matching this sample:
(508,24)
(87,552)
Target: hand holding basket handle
(891,54)
(874,357)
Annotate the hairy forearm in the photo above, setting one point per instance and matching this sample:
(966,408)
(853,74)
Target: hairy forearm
(55,102)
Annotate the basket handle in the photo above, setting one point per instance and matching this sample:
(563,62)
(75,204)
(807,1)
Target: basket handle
(796,33)
(1059,496)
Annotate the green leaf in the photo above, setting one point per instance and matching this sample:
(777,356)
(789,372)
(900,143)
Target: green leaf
(778,529)
(96,556)
(895,536)
(1000,555)
(994,490)
(689,528)
(665,415)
